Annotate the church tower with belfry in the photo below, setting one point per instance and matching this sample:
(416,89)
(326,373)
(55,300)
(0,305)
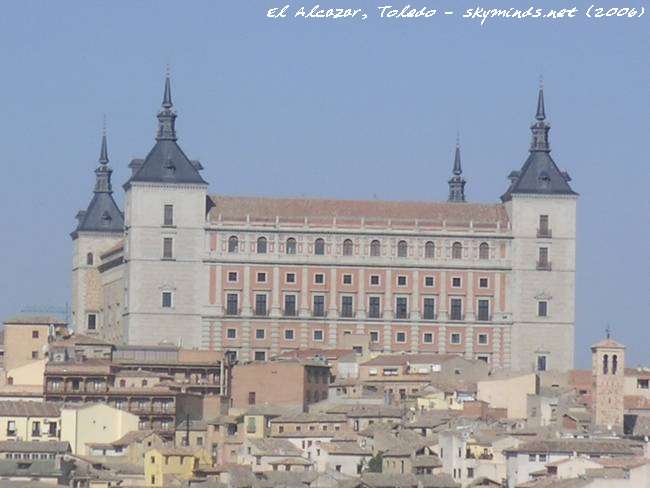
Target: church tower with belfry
(608,367)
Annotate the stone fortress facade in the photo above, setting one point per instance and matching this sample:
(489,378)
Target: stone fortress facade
(258,276)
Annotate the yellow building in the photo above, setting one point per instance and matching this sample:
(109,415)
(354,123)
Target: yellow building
(431,398)
(95,423)
(29,421)
(509,390)
(161,463)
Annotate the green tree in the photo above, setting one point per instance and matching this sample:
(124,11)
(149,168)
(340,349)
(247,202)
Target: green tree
(375,463)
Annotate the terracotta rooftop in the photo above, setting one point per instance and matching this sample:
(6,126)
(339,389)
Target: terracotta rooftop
(404,359)
(35,320)
(610,343)
(39,446)
(231,207)
(580,446)
(29,409)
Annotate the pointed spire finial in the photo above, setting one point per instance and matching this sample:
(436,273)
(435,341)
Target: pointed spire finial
(458,170)
(608,331)
(167,97)
(103,153)
(541,112)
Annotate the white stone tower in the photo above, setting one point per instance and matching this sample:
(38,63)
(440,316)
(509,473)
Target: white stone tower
(542,210)
(165,210)
(99,228)
(608,367)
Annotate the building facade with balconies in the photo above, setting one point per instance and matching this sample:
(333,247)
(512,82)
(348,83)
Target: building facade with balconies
(255,277)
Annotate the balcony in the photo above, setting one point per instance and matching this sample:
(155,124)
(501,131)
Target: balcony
(289,312)
(544,266)
(232,311)
(347,313)
(374,314)
(260,312)
(318,313)
(544,233)
(456,316)
(402,314)
(429,316)
(484,317)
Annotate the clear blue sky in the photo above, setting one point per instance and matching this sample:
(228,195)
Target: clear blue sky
(341,109)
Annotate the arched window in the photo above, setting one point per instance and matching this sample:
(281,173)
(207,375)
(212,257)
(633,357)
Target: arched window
(291,246)
(348,247)
(429,250)
(233,244)
(261,245)
(375,248)
(605,364)
(319,247)
(402,249)
(614,363)
(456,250)
(89,259)
(484,251)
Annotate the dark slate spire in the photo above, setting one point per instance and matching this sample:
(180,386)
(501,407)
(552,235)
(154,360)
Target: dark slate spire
(167,115)
(102,214)
(539,174)
(166,162)
(457,182)
(103,171)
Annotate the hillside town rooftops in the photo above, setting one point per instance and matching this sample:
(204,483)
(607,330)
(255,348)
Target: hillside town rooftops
(580,446)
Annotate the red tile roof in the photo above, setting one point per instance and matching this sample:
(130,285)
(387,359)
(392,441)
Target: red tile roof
(298,208)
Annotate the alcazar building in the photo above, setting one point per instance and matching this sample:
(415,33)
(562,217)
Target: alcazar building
(257,276)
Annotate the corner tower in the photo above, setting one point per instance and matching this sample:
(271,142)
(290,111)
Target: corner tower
(99,227)
(165,207)
(542,209)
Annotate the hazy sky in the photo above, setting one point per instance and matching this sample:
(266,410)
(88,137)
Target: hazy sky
(353,109)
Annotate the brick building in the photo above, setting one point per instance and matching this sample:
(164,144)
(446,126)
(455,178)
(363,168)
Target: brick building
(290,383)
(254,277)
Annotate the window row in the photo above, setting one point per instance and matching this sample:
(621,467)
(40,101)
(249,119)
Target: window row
(347,307)
(348,279)
(318,335)
(348,248)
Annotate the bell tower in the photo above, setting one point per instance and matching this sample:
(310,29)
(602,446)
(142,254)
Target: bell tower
(608,368)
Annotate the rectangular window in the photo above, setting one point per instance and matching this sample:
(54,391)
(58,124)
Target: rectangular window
(542,308)
(483,309)
(318,335)
(34,354)
(483,358)
(543,230)
(483,283)
(483,339)
(374,307)
(260,355)
(34,334)
(428,281)
(543,263)
(542,458)
(429,312)
(374,336)
(251,398)
(36,429)
(232,307)
(374,280)
(642,383)
(260,334)
(470,472)
(231,333)
(401,280)
(541,363)
(232,276)
(290,305)
(167,299)
(401,308)
(400,337)
(455,338)
(319,306)
(346,306)
(168,215)
(91,321)
(319,278)
(288,334)
(168,244)
(260,305)
(427,338)
(347,279)
(456,309)
(261,277)
(456,282)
